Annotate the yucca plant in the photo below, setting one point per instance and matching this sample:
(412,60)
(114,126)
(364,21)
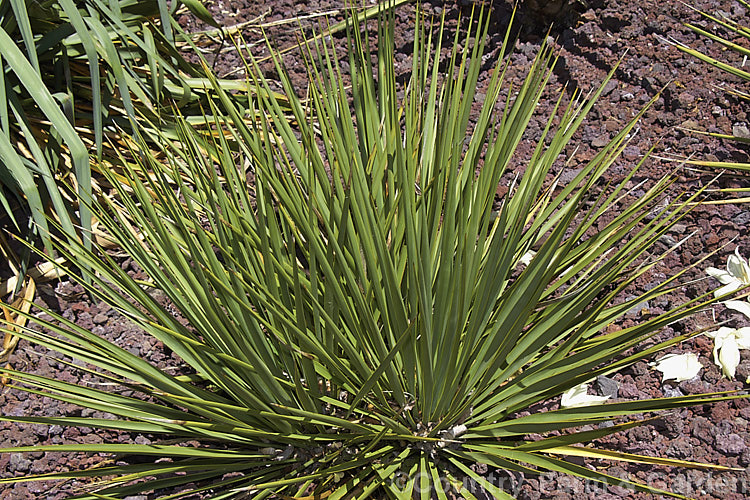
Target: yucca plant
(366,317)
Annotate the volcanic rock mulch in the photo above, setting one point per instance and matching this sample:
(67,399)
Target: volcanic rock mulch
(589,43)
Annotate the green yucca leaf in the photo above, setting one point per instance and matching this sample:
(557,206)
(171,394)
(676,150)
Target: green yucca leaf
(359,311)
(143,449)
(14,163)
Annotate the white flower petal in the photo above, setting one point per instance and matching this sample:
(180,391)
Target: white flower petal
(722,333)
(742,336)
(724,277)
(729,357)
(576,396)
(739,306)
(720,336)
(525,259)
(733,286)
(737,267)
(735,277)
(678,367)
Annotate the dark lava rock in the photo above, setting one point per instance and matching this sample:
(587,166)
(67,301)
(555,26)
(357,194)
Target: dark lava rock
(703,429)
(18,463)
(680,448)
(731,444)
(607,386)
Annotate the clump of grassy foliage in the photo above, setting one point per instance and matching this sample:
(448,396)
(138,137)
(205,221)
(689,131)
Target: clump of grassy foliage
(359,312)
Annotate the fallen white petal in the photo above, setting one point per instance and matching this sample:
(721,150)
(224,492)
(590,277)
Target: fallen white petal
(525,259)
(678,367)
(720,336)
(739,306)
(729,357)
(737,266)
(576,396)
(730,287)
(723,276)
(736,276)
(742,337)
(722,333)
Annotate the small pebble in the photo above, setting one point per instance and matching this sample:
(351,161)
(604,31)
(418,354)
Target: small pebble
(100,318)
(741,130)
(607,386)
(600,141)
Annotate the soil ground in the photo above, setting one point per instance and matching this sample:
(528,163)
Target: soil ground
(590,42)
